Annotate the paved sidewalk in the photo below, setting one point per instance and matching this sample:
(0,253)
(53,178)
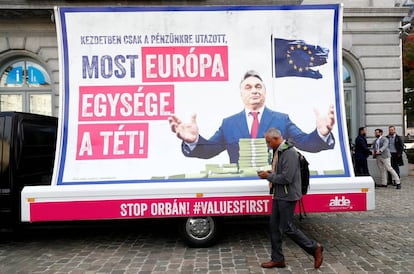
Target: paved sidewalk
(378,241)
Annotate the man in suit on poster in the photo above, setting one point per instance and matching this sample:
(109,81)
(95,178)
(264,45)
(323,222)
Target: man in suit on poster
(245,125)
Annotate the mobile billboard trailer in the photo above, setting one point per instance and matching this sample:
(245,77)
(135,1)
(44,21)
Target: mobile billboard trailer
(126,70)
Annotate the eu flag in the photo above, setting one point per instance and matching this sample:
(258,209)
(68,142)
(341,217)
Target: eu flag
(296,58)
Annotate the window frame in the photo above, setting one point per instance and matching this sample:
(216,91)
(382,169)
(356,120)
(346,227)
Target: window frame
(25,90)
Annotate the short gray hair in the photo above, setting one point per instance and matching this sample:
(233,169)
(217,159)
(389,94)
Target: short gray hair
(251,73)
(273,132)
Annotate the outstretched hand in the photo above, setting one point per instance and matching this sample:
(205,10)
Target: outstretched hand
(188,132)
(325,123)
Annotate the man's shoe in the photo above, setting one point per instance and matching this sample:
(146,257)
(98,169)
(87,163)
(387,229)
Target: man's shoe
(318,256)
(376,185)
(271,264)
(398,186)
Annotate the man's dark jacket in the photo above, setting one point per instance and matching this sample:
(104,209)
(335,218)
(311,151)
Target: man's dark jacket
(362,150)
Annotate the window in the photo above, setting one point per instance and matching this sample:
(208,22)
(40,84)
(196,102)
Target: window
(350,88)
(25,86)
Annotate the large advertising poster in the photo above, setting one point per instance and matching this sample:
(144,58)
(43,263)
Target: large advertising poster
(154,94)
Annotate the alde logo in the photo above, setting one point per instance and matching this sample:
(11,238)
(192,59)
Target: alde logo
(340,202)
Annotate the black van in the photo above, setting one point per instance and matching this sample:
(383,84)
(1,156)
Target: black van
(27,153)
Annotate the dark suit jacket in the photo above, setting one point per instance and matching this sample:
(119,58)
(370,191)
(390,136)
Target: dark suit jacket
(399,143)
(235,127)
(399,146)
(362,150)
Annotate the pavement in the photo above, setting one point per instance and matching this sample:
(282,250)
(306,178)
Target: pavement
(377,241)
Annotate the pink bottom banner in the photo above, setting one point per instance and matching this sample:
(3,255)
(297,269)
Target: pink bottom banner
(149,208)
(334,202)
(185,207)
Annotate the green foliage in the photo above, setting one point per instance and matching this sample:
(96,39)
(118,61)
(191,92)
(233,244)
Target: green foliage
(408,79)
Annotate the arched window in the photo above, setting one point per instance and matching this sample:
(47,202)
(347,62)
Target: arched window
(25,86)
(350,91)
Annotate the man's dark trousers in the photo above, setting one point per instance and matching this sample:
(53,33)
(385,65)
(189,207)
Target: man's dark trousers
(361,167)
(395,160)
(281,222)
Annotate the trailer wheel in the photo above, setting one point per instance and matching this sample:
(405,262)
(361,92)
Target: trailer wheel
(199,231)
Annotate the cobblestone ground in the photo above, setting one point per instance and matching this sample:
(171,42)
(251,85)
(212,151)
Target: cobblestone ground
(378,241)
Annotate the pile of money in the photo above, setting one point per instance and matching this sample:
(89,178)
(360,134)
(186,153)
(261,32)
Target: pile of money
(254,156)
(221,170)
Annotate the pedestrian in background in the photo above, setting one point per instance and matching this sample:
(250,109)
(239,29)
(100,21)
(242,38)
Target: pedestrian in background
(285,184)
(396,146)
(383,156)
(362,151)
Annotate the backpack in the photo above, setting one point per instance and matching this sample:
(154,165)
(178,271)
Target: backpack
(304,178)
(304,173)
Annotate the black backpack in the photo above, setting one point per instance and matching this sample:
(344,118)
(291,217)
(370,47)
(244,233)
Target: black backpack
(304,173)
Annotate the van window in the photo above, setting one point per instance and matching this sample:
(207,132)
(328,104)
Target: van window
(37,149)
(4,152)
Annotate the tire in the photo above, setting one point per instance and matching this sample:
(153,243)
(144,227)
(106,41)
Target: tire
(199,231)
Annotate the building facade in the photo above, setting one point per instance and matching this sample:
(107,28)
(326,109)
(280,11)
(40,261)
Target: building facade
(372,67)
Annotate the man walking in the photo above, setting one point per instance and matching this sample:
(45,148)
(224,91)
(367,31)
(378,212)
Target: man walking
(396,146)
(383,155)
(285,184)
